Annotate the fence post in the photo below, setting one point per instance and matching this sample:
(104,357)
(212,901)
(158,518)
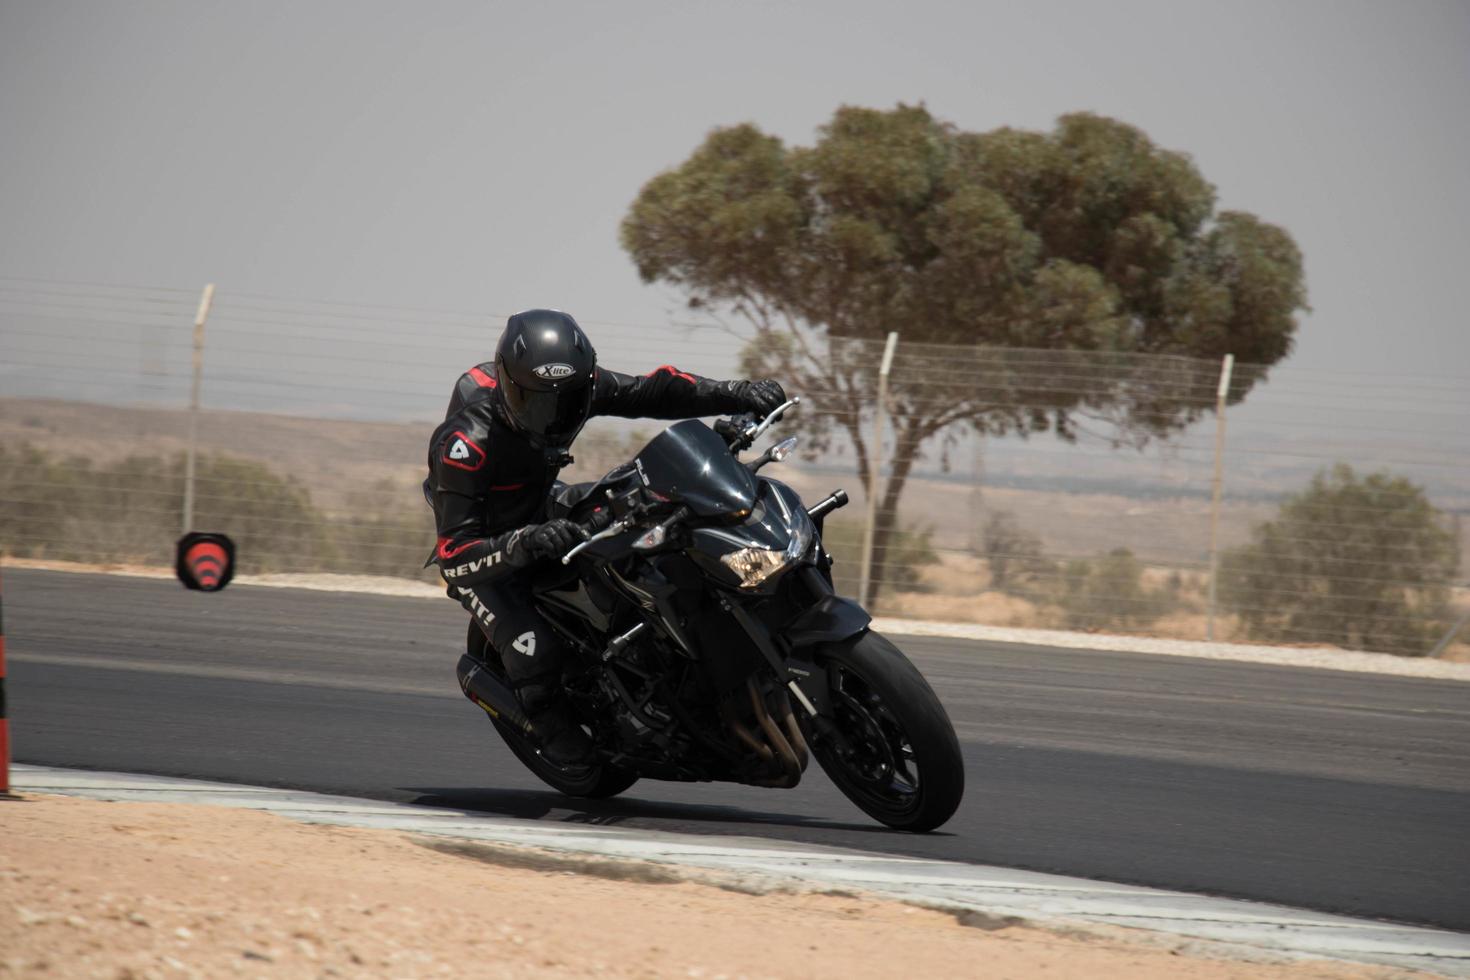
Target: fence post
(1449,637)
(205,302)
(875,466)
(1217,485)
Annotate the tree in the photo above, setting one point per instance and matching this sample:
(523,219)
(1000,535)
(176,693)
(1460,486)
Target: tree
(1359,562)
(1087,239)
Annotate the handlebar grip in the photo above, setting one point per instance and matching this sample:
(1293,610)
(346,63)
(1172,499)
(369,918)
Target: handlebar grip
(609,529)
(730,429)
(600,520)
(822,508)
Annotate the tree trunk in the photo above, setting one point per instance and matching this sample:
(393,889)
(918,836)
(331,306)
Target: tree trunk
(886,523)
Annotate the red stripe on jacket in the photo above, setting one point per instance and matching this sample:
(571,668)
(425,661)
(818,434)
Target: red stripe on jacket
(670,369)
(446,552)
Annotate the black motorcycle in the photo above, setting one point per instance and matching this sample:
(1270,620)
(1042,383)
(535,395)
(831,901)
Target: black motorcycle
(709,643)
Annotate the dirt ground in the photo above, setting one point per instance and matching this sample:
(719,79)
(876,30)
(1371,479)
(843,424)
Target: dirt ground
(132,890)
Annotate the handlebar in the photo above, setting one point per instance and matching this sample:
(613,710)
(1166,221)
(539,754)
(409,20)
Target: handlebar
(660,531)
(742,430)
(771,420)
(616,527)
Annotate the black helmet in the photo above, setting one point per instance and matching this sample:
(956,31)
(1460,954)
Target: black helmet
(544,366)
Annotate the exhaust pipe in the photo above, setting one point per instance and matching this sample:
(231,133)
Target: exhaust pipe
(490,693)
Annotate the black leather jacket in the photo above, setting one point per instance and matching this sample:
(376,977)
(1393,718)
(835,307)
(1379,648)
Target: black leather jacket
(487,483)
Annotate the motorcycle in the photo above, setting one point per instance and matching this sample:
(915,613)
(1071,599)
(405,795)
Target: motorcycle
(709,644)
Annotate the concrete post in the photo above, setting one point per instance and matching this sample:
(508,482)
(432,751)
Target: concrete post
(205,302)
(1217,486)
(875,467)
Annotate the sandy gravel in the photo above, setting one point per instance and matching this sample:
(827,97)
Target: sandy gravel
(134,890)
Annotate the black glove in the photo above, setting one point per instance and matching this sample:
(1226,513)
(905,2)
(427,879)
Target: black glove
(550,540)
(760,397)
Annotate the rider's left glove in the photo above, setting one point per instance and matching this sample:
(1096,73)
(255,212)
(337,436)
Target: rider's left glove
(550,540)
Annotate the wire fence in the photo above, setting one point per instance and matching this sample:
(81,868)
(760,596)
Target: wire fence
(1058,489)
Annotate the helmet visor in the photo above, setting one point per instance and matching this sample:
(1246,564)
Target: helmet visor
(556,416)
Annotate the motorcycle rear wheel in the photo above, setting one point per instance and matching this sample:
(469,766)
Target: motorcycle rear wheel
(901,763)
(595,782)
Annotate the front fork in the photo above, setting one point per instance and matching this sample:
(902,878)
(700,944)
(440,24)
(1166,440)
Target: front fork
(760,637)
(790,654)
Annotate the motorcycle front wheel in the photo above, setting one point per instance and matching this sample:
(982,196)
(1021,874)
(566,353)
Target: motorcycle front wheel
(897,758)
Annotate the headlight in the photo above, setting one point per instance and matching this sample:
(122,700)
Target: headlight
(754,565)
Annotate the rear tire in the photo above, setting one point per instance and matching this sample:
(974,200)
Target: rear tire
(594,782)
(903,765)
(597,781)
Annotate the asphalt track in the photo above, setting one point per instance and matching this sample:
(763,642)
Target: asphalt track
(1337,791)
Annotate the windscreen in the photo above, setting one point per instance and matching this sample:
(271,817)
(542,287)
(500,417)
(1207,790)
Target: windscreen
(690,464)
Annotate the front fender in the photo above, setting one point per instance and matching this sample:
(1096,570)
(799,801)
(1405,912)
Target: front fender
(830,620)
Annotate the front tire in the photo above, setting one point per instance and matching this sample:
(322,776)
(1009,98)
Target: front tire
(597,781)
(898,758)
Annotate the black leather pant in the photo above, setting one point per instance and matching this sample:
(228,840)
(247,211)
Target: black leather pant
(529,648)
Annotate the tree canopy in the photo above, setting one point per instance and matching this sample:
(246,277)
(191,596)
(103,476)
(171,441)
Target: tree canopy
(1087,240)
(1088,237)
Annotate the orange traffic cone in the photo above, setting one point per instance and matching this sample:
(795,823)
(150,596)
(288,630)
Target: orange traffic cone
(205,561)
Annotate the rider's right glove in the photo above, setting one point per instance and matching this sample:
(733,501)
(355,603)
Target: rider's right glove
(550,540)
(761,397)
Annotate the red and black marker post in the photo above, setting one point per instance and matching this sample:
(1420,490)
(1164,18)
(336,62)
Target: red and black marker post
(206,561)
(4,717)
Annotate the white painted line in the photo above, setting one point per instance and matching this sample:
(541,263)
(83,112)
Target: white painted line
(766,864)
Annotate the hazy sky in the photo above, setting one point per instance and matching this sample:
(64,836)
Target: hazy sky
(479,156)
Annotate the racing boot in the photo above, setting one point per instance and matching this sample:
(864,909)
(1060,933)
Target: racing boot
(563,740)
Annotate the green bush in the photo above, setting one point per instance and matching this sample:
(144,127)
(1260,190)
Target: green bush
(1014,555)
(38,496)
(1359,562)
(910,550)
(1090,593)
(130,511)
(271,518)
(385,532)
(1108,591)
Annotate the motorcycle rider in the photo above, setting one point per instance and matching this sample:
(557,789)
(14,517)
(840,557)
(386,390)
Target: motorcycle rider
(492,466)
